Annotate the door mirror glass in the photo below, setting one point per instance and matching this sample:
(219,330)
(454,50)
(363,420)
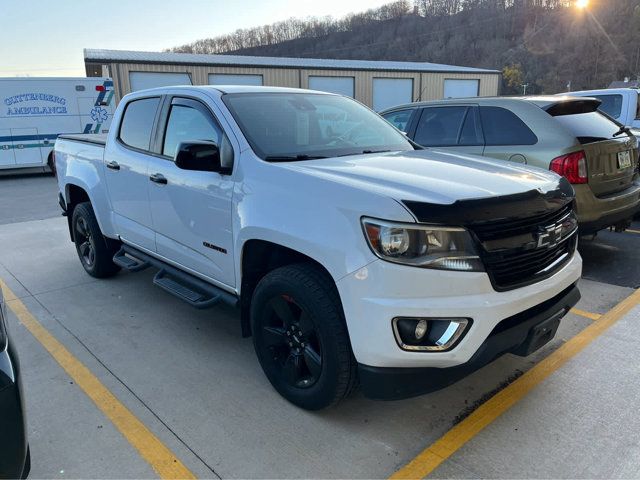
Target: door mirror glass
(200,156)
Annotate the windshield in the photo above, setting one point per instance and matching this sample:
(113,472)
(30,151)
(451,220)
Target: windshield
(303,126)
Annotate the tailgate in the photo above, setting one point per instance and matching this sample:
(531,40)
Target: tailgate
(611,152)
(611,164)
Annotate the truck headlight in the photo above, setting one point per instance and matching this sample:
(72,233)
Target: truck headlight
(444,248)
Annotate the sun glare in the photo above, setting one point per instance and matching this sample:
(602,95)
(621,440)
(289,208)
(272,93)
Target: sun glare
(581,4)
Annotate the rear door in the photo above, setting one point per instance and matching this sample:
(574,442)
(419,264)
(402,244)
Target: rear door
(612,155)
(455,127)
(126,172)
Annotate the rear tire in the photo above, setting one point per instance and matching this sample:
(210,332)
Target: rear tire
(300,336)
(95,251)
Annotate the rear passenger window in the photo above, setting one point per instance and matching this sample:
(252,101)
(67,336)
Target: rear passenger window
(440,126)
(137,122)
(399,119)
(503,127)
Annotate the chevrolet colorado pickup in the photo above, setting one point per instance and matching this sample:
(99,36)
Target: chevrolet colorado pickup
(354,256)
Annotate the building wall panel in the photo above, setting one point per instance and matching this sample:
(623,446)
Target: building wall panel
(426,86)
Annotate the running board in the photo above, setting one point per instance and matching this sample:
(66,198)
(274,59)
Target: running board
(186,287)
(128,262)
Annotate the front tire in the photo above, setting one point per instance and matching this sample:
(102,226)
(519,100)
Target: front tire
(300,336)
(95,251)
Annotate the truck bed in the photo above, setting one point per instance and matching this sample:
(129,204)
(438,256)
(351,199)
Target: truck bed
(95,138)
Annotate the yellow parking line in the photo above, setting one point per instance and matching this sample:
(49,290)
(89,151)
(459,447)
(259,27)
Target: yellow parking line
(429,459)
(161,459)
(584,313)
(632,231)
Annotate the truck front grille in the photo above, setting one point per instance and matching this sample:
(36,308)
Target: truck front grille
(518,252)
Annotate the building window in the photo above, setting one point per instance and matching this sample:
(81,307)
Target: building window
(137,122)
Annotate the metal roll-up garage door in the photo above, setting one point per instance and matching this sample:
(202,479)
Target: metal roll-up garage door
(339,85)
(454,88)
(389,92)
(234,79)
(142,80)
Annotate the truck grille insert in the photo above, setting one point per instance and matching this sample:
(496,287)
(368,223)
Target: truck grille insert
(525,258)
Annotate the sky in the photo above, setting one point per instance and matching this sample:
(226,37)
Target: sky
(46,37)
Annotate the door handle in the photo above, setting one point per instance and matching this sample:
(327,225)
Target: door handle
(158,178)
(113,165)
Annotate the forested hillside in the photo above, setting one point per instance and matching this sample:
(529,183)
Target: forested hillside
(547,44)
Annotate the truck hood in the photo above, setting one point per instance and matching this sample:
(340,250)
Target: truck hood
(430,175)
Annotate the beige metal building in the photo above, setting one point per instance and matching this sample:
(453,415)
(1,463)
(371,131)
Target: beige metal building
(378,84)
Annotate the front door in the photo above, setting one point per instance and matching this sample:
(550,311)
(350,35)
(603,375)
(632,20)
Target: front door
(126,171)
(191,210)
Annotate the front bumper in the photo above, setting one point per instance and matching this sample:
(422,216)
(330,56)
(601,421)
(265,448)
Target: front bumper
(595,213)
(373,295)
(520,334)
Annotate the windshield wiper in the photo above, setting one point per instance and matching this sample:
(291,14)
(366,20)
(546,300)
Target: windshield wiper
(292,158)
(364,152)
(623,129)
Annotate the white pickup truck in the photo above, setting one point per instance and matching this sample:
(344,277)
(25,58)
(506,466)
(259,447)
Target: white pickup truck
(353,255)
(621,104)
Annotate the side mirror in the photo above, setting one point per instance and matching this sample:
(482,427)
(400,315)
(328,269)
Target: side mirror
(200,156)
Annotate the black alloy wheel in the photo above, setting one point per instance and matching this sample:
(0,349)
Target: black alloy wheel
(85,242)
(293,342)
(94,249)
(300,336)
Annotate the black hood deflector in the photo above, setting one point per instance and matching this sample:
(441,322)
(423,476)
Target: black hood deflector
(490,209)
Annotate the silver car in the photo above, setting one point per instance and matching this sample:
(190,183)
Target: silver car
(565,134)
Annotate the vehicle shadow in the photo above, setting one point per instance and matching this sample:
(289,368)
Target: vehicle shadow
(612,257)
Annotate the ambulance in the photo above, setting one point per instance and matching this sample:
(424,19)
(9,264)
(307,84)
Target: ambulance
(34,111)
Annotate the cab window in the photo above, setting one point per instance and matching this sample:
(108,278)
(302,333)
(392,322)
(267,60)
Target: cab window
(137,122)
(611,104)
(189,120)
(185,124)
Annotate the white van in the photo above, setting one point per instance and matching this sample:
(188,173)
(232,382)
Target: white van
(34,111)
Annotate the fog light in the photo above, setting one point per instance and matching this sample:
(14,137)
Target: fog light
(429,334)
(421,329)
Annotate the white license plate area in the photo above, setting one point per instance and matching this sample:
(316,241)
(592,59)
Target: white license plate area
(624,159)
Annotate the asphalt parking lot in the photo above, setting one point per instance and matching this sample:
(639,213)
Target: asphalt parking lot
(178,390)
